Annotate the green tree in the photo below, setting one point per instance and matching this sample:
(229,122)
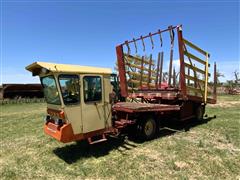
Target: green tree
(218,75)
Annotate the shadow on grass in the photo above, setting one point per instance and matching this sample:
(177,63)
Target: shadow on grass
(177,126)
(76,151)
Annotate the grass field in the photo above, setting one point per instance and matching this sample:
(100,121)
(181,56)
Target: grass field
(210,150)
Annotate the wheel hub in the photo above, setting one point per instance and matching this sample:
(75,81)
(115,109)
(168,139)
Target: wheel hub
(148,128)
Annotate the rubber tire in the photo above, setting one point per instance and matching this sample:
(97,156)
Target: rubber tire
(200,112)
(148,135)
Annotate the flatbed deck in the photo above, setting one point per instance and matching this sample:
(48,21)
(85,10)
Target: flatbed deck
(131,107)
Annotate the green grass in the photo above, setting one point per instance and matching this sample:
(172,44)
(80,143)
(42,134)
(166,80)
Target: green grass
(206,151)
(222,98)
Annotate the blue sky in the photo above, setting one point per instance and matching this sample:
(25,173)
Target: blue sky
(86,33)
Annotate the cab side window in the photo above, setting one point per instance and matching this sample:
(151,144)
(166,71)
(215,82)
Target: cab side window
(69,85)
(92,86)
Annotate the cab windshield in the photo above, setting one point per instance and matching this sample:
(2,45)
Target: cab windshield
(69,85)
(50,90)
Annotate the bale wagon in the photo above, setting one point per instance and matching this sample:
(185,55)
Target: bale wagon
(89,102)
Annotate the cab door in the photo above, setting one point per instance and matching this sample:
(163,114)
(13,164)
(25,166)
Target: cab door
(93,115)
(69,85)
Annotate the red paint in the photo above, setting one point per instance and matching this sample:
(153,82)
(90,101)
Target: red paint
(121,70)
(182,66)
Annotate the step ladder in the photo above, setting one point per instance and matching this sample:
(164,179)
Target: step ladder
(90,141)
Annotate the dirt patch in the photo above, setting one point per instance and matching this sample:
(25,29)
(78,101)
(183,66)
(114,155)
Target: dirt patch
(180,165)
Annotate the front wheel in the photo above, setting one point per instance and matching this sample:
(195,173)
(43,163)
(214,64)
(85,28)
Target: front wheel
(149,128)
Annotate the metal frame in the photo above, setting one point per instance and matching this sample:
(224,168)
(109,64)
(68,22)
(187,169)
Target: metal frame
(200,86)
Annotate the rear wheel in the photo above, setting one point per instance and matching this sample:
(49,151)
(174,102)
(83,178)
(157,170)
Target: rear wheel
(149,128)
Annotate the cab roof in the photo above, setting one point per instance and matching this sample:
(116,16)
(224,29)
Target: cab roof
(36,68)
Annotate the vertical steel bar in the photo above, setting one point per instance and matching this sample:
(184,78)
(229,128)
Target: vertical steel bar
(143,44)
(135,45)
(161,67)
(174,78)
(215,82)
(141,71)
(206,80)
(122,71)
(170,68)
(160,36)
(196,84)
(171,32)
(182,67)
(188,80)
(157,75)
(149,72)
